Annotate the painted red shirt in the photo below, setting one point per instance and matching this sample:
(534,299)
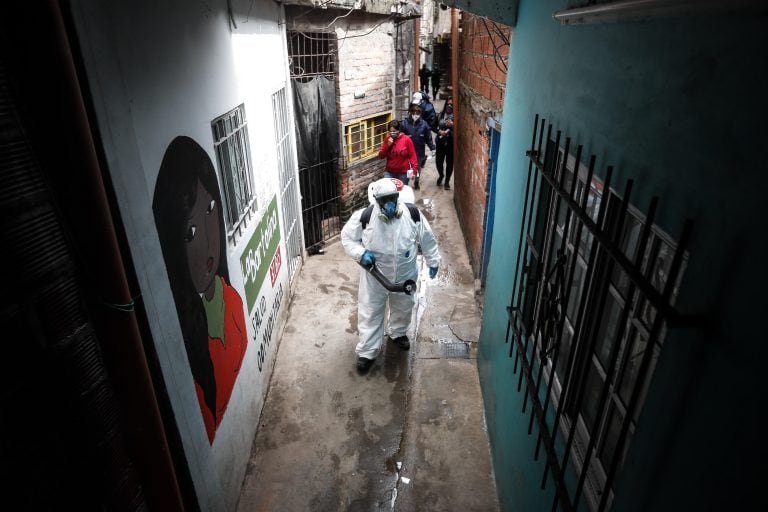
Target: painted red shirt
(227,356)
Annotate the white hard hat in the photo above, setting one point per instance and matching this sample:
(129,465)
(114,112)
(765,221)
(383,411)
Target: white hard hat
(384,187)
(416,97)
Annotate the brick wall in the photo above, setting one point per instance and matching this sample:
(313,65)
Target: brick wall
(483,52)
(365,64)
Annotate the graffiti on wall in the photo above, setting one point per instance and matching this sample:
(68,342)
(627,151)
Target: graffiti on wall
(189,219)
(261,248)
(262,255)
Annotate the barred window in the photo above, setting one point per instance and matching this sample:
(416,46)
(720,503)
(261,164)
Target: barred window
(592,298)
(312,54)
(230,140)
(364,137)
(620,325)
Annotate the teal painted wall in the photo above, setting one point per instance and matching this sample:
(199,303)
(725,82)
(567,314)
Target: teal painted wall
(678,104)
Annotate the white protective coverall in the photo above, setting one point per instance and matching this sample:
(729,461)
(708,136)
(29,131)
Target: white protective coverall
(394,242)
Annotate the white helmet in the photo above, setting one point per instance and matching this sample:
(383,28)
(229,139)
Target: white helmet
(384,187)
(416,97)
(405,193)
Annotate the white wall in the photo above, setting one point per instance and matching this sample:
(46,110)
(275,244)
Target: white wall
(158,70)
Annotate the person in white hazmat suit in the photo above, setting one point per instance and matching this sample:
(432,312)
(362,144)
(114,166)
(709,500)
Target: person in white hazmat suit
(390,239)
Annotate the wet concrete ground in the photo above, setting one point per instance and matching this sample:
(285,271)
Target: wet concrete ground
(408,436)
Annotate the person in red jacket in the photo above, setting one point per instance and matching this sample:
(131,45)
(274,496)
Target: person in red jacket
(400,153)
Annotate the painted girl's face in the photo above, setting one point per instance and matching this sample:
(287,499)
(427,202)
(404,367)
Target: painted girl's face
(203,241)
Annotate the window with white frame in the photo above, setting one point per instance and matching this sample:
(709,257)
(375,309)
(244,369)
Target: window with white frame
(233,154)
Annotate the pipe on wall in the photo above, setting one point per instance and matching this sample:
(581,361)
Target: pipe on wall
(416,57)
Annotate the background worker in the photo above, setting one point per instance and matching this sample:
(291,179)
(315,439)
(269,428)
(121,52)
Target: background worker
(421,136)
(445,144)
(390,239)
(435,79)
(427,109)
(424,78)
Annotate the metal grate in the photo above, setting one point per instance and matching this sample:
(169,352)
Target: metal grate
(289,196)
(320,195)
(312,54)
(456,350)
(233,152)
(592,297)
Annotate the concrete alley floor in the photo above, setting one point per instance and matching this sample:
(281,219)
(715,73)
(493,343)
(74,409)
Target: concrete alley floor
(408,436)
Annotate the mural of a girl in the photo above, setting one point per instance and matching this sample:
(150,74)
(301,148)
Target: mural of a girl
(189,220)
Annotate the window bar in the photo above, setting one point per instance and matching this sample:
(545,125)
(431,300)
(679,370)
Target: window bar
(547,331)
(550,235)
(229,187)
(247,156)
(529,240)
(515,318)
(558,335)
(530,277)
(658,320)
(238,170)
(585,293)
(613,356)
(544,431)
(589,331)
(512,306)
(234,186)
(556,266)
(530,245)
(549,242)
(535,271)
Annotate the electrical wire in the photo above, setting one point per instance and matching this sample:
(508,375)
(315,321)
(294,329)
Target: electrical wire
(339,17)
(323,4)
(347,29)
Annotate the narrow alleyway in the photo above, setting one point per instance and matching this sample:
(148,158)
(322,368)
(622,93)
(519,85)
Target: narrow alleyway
(407,436)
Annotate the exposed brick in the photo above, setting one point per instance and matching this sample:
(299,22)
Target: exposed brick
(481,85)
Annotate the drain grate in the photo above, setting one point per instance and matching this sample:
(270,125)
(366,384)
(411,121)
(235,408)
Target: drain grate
(456,351)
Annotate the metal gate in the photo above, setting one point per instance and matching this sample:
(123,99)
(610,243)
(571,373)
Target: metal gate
(313,58)
(289,198)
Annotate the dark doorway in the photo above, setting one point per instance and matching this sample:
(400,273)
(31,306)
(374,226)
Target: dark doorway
(313,78)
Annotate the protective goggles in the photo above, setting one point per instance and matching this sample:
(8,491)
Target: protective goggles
(386,199)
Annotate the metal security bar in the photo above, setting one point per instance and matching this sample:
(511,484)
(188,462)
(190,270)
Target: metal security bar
(592,297)
(233,152)
(312,54)
(289,196)
(320,188)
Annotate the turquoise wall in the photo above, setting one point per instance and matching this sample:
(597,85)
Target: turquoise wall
(678,104)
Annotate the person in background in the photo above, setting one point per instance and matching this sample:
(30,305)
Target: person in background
(427,109)
(400,153)
(435,78)
(390,238)
(421,135)
(424,78)
(445,144)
